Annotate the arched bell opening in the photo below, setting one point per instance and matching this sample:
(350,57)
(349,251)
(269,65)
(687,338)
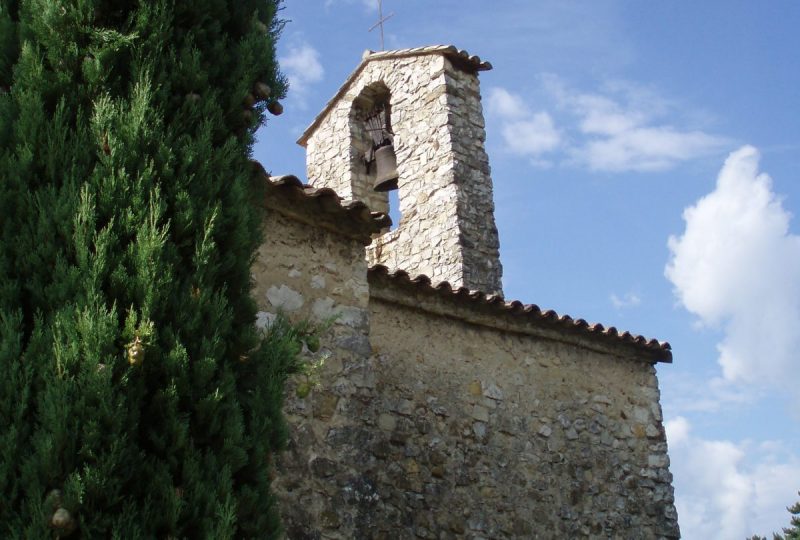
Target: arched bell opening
(394,208)
(373,158)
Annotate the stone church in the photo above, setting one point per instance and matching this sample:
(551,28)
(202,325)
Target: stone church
(442,410)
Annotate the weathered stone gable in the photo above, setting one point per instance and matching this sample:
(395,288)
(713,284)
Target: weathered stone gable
(447,230)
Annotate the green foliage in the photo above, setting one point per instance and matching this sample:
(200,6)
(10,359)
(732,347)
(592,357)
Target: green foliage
(137,398)
(793,531)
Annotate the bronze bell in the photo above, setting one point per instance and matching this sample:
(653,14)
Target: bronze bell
(385,168)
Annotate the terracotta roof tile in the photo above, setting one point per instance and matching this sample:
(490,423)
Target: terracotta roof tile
(349,217)
(354,219)
(460,58)
(660,351)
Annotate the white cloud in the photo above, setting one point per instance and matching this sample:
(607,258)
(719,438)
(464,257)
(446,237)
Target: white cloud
(626,301)
(369,5)
(602,116)
(725,489)
(506,104)
(642,149)
(677,430)
(621,128)
(525,133)
(736,266)
(533,136)
(303,68)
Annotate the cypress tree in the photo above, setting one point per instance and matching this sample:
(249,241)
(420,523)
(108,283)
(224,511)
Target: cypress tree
(137,398)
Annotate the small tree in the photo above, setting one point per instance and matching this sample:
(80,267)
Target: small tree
(789,533)
(137,399)
(793,531)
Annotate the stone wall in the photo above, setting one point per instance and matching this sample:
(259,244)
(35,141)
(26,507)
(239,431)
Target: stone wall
(447,230)
(526,436)
(311,273)
(472,175)
(463,425)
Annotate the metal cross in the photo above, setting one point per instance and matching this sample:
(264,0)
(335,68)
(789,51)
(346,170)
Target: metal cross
(381,20)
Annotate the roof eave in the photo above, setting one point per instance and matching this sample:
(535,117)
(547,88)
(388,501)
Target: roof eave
(647,349)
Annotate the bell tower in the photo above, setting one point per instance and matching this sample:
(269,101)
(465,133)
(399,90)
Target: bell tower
(412,120)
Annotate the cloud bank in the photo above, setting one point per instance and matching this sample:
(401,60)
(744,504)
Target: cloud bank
(730,490)
(619,129)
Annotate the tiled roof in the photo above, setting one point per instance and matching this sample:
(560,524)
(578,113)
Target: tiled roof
(658,351)
(328,210)
(460,58)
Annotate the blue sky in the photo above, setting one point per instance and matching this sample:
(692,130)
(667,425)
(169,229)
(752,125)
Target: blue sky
(645,160)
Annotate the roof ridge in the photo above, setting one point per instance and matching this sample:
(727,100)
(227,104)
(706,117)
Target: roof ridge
(450,50)
(461,58)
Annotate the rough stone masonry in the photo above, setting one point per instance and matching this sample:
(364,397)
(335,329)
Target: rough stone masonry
(443,411)
(447,230)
